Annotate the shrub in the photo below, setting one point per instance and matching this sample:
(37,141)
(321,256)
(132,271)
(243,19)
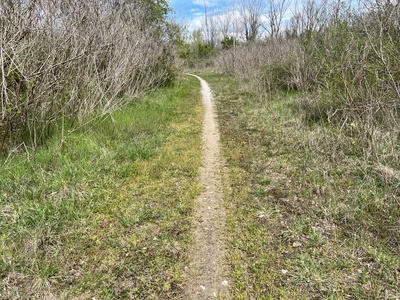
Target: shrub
(66,60)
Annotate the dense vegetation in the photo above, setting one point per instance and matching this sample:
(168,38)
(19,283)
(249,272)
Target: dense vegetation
(62,61)
(345,60)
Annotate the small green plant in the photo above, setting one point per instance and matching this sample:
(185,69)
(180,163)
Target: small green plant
(228,42)
(277,76)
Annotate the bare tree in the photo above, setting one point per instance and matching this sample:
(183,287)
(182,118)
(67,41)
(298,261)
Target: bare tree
(313,14)
(251,12)
(212,27)
(275,12)
(225,23)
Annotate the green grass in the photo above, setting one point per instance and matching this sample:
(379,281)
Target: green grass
(107,214)
(308,217)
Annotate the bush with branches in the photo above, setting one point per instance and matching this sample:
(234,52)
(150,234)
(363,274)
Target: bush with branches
(345,60)
(61,61)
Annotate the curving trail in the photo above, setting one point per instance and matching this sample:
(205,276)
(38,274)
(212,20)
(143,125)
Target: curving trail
(208,270)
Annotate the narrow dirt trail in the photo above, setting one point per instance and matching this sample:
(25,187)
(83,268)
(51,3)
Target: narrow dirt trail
(208,275)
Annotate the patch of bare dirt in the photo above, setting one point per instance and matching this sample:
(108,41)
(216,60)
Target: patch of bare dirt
(208,271)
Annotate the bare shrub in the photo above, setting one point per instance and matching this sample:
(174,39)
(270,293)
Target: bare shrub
(65,60)
(247,57)
(344,58)
(345,61)
(352,67)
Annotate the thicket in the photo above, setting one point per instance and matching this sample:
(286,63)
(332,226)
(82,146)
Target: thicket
(64,60)
(345,62)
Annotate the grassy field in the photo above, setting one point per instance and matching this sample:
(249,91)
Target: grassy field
(107,214)
(308,217)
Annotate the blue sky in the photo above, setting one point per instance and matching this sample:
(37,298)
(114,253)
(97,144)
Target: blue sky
(191,12)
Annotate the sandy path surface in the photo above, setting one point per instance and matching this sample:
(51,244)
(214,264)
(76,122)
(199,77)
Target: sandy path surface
(208,270)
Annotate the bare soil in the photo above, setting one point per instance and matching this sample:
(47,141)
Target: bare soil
(208,272)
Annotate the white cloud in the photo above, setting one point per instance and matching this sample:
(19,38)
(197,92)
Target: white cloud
(228,15)
(208,3)
(198,14)
(196,23)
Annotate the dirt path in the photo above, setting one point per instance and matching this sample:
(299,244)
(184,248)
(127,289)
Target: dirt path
(208,271)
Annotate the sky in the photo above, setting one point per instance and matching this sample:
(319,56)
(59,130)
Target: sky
(191,12)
